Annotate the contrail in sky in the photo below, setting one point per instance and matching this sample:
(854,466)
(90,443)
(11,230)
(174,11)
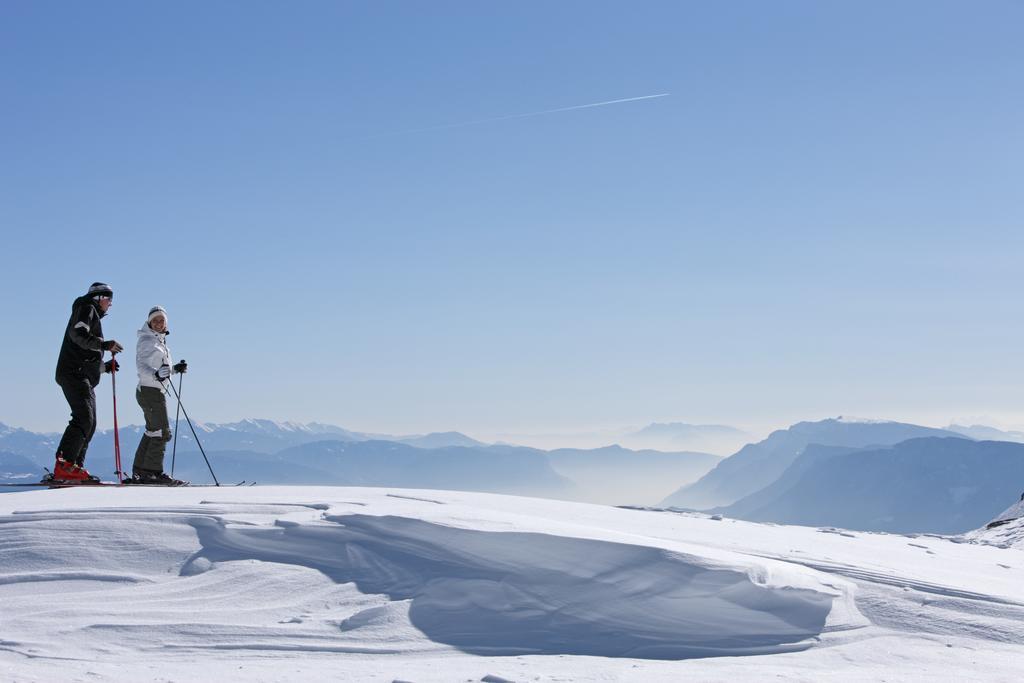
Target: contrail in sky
(523,116)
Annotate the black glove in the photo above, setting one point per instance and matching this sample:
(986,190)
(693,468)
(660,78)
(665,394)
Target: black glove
(163,373)
(111,366)
(112,346)
(181,366)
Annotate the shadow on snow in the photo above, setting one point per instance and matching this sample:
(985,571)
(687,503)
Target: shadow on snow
(511,593)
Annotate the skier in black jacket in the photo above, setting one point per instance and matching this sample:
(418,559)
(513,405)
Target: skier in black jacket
(78,370)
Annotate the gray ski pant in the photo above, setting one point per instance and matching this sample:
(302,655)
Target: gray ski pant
(150,453)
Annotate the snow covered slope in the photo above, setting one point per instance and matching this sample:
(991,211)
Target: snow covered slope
(320,583)
(1006,530)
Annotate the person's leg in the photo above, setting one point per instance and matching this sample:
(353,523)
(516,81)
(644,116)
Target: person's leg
(91,403)
(158,430)
(140,452)
(82,425)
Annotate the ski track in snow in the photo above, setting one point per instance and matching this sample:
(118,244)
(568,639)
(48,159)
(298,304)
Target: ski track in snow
(284,583)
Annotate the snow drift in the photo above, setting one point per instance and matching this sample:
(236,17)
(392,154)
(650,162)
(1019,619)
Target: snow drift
(294,583)
(512,593)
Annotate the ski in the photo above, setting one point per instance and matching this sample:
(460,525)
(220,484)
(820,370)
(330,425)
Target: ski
(71,485)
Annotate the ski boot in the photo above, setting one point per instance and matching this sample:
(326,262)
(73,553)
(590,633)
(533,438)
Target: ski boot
(153,478)
(167,480)
(71,473)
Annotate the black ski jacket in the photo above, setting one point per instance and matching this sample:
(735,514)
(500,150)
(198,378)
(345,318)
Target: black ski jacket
(81,353)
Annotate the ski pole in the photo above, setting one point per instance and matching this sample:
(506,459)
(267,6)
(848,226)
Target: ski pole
(196,436)
(117,438)
(174,450)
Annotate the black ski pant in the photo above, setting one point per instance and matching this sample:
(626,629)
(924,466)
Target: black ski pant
(77,435)
(149,456)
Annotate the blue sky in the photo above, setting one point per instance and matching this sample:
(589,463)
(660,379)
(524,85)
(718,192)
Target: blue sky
(823,218)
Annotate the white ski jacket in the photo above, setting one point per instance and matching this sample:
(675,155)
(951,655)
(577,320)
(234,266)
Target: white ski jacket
(150,353)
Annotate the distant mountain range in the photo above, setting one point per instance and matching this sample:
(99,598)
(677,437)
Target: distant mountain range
(755,466)
(260,436)
(858,474)
(388,463)
(675,436)
(985,433)
(865,475)
(937,485)
(269,436)
(290,453)
(670,437)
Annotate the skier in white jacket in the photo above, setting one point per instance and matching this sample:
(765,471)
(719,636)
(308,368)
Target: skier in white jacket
(153,362)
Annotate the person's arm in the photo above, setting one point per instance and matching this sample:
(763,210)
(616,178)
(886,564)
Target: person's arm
(81,329)
(81,332)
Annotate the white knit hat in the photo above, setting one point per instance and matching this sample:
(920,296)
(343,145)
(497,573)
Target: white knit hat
(154,312)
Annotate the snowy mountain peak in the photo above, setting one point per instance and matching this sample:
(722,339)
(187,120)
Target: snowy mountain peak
(850,419)
(251,425)
(268,425)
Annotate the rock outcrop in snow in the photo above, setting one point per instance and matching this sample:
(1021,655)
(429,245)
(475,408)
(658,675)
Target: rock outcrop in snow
(1006,530)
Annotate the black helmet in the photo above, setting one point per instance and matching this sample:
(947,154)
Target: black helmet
(100,289)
